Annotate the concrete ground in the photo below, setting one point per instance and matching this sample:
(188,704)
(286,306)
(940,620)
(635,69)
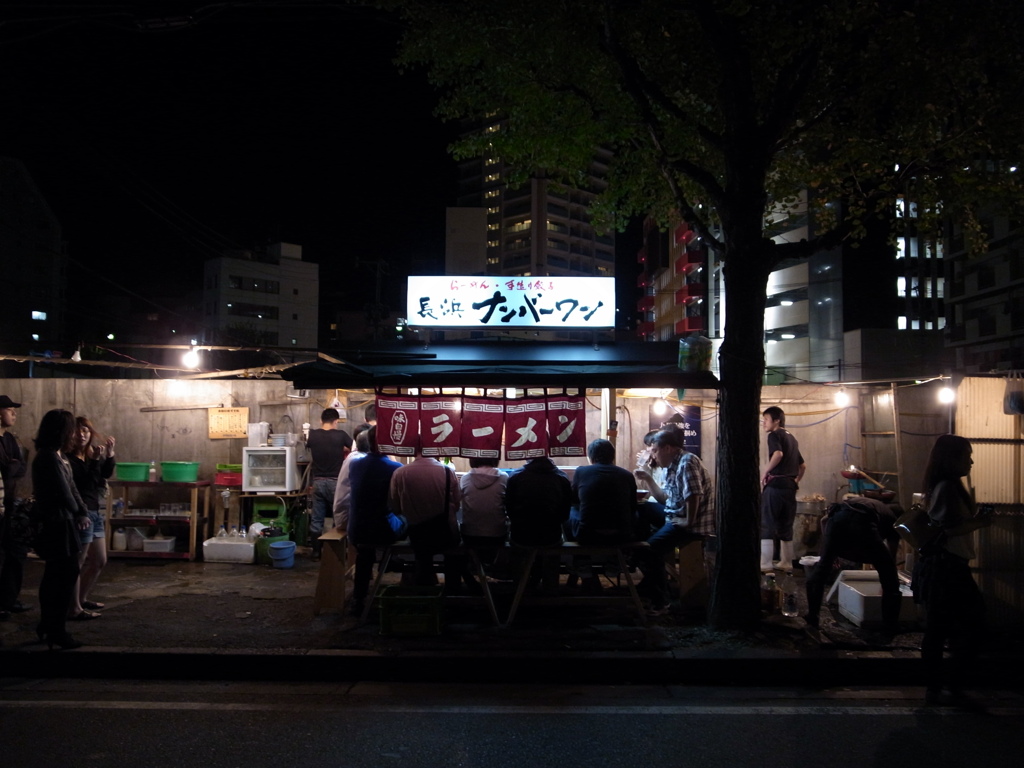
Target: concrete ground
(195,618)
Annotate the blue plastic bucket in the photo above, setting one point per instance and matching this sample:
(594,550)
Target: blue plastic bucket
(282,554)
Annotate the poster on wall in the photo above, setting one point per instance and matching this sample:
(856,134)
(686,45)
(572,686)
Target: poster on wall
(483,419)
(686,418)
(567,425)
(440,425)
(228,422)
(526,435)
(398,424)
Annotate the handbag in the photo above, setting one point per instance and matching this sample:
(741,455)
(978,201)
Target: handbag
(913,526)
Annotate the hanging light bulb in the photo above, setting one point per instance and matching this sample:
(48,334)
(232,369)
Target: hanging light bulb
(191,358)
(946,395)
(660,407)
(842,399)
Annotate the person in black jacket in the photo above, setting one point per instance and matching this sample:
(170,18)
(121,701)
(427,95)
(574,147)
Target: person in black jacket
(61,513)
(537,501)
(862,530)
(12,551)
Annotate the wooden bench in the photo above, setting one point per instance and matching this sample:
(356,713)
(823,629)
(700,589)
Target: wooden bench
(334,567)
(617,552)
(404,548)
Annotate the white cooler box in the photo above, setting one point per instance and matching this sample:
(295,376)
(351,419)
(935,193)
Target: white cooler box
(226,551)
(860,598)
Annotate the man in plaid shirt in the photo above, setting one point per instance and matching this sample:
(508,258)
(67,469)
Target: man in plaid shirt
(689,504)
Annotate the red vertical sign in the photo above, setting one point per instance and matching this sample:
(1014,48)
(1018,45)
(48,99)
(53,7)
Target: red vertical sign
(526,435)
(482,422)
(440,425)
(398,424)
(567,425)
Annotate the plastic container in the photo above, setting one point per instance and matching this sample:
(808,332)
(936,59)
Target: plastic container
(263,547)
(237,468)
(223,550)
(179,471)
(282,554)
(228,478)
(133,471)
(158,545)
(411,610)
(119,541)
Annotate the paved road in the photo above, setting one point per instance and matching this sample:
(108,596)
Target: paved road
(213,724)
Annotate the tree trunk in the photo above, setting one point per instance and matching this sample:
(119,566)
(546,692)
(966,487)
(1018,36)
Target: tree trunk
(735,599)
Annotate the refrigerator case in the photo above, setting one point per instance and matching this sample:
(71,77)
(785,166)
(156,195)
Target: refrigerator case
(271,469)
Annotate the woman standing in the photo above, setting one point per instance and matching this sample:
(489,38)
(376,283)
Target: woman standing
(954,607)
(62,514)
(92,463)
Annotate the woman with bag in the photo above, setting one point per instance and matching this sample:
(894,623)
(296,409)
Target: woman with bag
(61,514)
(954,607)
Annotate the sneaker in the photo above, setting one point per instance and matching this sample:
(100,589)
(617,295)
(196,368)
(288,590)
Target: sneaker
(657,610)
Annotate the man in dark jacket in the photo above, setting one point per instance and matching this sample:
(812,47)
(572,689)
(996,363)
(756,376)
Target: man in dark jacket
(537,501)
(862,530)
(12,553)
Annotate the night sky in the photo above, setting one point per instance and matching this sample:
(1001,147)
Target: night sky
(257,124)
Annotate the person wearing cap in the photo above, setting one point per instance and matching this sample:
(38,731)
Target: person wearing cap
(12,468)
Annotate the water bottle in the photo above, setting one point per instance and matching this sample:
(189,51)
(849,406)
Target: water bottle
(118,508)
(769,593)
(234,533)
(242,536)
(222,533)
(788,587)
(152,471)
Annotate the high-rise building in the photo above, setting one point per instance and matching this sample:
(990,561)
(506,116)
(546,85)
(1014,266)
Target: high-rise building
(33,266)
(540,227)
(262,298)
(985,300)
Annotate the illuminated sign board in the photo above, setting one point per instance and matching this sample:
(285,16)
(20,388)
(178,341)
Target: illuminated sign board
(511,302)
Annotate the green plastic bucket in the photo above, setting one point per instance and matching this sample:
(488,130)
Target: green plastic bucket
(133,471)
(179,471)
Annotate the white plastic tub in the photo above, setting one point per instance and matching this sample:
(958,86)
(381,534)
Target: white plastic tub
(226,551)
(158,545)
(860,598)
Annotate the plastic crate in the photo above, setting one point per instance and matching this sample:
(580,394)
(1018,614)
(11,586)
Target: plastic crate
(133,471)
(228,478)
(158,545)
(410,610)
(179,471)
(236,468)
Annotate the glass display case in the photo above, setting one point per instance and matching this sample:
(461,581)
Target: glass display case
(270,469)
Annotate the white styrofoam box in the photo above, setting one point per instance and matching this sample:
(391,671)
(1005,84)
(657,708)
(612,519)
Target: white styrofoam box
(860,600)
(220,551)
(158,545)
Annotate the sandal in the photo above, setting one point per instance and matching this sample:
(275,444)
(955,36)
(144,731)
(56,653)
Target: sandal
(91,606)
(84,616)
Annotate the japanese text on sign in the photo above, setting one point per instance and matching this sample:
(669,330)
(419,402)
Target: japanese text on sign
(538,302)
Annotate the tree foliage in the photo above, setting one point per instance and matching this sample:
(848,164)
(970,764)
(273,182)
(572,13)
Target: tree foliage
(726,112)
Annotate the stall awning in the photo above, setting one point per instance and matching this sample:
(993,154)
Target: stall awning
(501,364)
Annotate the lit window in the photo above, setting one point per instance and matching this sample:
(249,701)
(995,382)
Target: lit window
(492,129)
(492,160)
(492,243)
(915,325)
(901,247)
(901,286)
(940,323)
(492,193)
(295,342)
(35,337)
(940,287)
(492,177)
(901,322)
(493,227)
(37,315)
(492,211)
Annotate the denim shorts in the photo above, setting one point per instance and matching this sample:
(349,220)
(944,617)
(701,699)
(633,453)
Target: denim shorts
(97,528)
